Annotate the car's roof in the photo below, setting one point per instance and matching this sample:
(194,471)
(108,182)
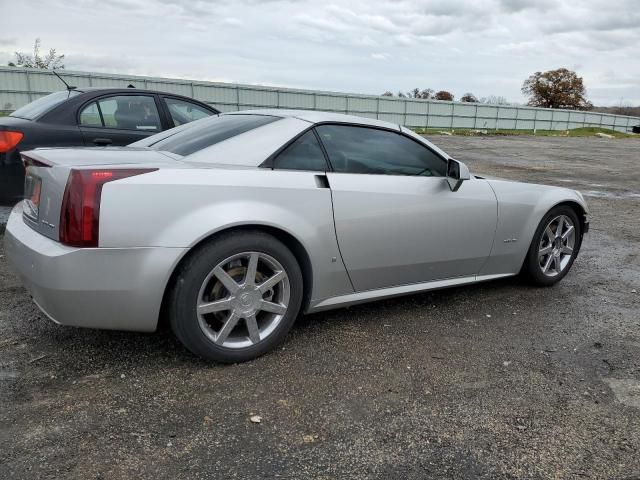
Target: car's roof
(250,148)
(126,90)
(59,112)
(314,116)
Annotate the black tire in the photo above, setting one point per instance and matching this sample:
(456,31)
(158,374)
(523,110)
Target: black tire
(193,272)
(531,268)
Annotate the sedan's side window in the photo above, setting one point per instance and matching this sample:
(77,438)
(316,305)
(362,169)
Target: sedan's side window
(90,116)
(130,112)
(354,149)
(183,112)
(304,153)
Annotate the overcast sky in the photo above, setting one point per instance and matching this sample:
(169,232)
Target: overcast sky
(487,47)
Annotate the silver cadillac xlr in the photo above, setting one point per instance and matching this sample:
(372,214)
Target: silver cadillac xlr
(231,226)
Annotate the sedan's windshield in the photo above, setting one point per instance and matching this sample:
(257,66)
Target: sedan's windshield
(42,105)
(204,133)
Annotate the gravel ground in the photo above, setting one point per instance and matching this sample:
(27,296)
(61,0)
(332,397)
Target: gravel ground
(4,216)
(498,380)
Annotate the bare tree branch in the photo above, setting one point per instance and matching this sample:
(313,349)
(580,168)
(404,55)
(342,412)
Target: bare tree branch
(35,60)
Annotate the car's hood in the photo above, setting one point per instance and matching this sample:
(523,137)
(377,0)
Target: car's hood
(490,177)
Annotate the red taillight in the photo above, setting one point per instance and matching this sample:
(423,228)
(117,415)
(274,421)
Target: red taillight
(80,214)
(9,139)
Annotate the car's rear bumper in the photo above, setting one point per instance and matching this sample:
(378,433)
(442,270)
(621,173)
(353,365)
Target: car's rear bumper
(11,179)
(111,288)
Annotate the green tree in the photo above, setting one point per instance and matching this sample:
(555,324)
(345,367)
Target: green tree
(35,60)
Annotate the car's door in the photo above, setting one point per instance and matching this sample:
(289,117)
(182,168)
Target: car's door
(119,119)
(304,158)
(396,218)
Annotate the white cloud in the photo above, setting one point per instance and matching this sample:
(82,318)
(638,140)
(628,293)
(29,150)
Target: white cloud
(380,56)
(487,47)
(236,22)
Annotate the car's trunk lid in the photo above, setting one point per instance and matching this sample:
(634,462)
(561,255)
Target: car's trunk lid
(13,123)
(92,156)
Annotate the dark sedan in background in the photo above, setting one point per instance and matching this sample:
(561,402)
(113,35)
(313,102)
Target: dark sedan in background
(87,117)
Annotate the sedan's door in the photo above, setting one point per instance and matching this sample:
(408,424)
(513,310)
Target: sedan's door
(119,119)
(397,220)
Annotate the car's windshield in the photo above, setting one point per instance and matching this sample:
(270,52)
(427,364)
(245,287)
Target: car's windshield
(204,133)
(42,105)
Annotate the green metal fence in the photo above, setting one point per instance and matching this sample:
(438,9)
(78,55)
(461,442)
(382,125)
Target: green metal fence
(19,86)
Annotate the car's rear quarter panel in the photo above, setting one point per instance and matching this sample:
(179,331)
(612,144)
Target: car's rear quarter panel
(176,208)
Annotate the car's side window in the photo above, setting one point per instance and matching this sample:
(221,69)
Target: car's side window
(354,149)
(183,112)
(129,112)
(304,153)
(90,116)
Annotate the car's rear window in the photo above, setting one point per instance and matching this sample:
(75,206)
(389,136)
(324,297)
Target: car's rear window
(204,133)
(42,105)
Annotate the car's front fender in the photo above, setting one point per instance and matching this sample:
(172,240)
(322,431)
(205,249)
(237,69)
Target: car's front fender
(521,207)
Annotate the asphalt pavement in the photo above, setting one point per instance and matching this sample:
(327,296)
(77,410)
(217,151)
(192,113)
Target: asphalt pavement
(4,216)
(496,381)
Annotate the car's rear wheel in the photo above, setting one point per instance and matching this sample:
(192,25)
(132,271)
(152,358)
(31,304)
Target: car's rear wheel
(554,246)
(236,297)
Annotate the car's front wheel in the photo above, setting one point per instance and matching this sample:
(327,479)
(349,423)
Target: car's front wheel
(554,246)
(236,297)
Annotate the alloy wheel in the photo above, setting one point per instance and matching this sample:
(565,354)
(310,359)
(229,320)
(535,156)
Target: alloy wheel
(243,299)
(556,246)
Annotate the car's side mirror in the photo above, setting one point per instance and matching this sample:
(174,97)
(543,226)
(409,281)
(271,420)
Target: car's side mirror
(457,172)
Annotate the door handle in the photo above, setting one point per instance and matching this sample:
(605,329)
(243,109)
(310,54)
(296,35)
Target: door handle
(321,181)
(102,142)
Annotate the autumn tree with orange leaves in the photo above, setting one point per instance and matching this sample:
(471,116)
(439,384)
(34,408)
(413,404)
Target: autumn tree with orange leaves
(559,88)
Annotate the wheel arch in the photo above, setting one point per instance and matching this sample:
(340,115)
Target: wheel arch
(289,240)
(581,213)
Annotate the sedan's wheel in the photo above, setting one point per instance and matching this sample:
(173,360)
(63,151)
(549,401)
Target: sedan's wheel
(237,297)
(554,246)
